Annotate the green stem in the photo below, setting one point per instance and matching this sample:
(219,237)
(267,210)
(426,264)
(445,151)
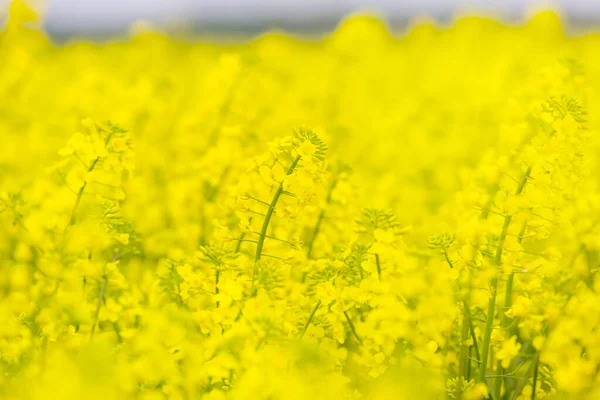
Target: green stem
(504,324)
(239,243)
(98,305)
(468,377)
(310,318)
(475,344)
(535,375)
(378,267)
(523,181)
(494,285)
(489,322)
(352,328)
(73,218)
(241,239)
(309,247)
(523,380)
(487,334)
(464,349)
(265,225)
(202,240)
(447,258)
(467,327)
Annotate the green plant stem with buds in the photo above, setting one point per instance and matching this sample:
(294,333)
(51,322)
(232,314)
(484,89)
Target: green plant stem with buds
(467,327)
(73,218)
(487,335)
(504,321)
(263,231)
(309,320)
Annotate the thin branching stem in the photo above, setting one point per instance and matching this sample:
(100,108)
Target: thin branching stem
(98,305)
(352,327)
(505,321)
(309,320)
(474,337)
(523,380)
(467,328)
(494,286)
(73,218)
(241,239)
(265,225)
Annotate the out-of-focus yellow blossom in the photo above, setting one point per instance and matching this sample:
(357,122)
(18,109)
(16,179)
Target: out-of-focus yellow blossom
(509,349)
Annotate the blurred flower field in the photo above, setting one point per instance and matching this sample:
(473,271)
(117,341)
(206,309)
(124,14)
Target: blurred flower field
(363,216)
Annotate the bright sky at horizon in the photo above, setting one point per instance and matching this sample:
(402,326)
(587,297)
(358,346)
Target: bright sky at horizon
(90,15)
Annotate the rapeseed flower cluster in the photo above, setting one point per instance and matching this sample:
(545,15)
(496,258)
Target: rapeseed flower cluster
(364,216)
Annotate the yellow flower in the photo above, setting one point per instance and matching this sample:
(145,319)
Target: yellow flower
(119,144)
(521,307)
(384,236)
(509,349)
(477,392)
(123,238)
(306,149)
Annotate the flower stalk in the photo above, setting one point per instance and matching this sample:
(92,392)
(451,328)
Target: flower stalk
(267,220)
(494,287)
